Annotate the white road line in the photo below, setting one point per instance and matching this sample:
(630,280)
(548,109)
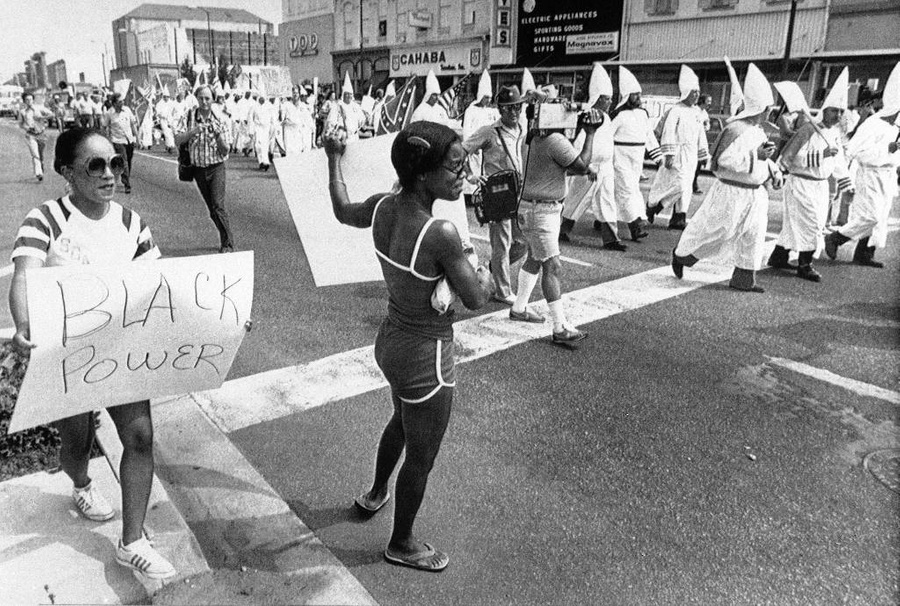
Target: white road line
(857,387)
(160,158)
(271,395)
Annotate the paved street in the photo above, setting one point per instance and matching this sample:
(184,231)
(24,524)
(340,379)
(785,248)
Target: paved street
(702,447)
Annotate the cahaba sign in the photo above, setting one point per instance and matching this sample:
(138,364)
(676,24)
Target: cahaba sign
(117,334)
(451,60)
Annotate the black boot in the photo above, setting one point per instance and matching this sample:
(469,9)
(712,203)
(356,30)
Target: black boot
(779,258)
(652,211)
(609,237)
(678,221)
(804,267)
(744,280)
(638,229)
(832,241)
(564,228)
(865,254)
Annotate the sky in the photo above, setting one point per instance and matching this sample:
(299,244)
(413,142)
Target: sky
(77,30)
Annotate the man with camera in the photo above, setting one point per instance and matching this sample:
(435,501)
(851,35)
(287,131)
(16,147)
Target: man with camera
(550,157)
(500,144)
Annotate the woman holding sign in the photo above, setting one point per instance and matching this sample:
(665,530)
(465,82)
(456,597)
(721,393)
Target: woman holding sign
(87,226)
(414,347)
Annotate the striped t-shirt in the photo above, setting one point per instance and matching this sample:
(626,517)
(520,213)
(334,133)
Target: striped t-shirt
(57,233)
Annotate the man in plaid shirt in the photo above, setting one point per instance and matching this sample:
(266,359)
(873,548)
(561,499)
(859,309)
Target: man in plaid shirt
(208,133)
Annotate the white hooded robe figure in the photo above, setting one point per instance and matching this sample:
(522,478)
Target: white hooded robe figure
(598,194)
(479,113)
(874,147)
(242,137)
(632,134)
(812,156)
(298,123)
(682,144)
(261,120)
(734,214)
(164,109)
(347,113)
(429,110)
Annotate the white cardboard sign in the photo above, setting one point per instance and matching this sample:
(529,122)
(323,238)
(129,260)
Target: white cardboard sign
(337,253)
(117,334)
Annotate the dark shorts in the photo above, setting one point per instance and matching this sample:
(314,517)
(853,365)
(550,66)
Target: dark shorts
(415,366)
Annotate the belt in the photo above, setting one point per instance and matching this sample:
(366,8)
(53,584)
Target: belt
(809,177)
(541,201)
(629,144)
(740,184)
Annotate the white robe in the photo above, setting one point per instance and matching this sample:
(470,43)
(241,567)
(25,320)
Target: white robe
(430,113)
(261,119)
(684,139)
(348,115)
(733,218)
(600,193)
(164,109)
(632,134)
(298,127)
(876,181)
(806,192)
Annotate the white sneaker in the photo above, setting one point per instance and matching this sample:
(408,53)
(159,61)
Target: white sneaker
(141,556)
(91,503)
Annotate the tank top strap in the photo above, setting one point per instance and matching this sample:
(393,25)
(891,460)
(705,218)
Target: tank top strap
(415,252)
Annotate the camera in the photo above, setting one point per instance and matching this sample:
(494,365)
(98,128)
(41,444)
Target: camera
(560,114)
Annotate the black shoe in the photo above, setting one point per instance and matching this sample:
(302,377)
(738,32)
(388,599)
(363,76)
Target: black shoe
(678,221)
(697,190)
(127,190)
(868,263)
(226,249)
(865,254)
(753,288)
(808,273)
(638,230)
(568,336)
(677,266)
(652,211)
(598,225)
(40,178)
(779,258)
(832,241)
(615,245)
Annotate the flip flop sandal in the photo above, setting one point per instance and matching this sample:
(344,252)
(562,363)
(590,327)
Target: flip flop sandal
(368,506)
(430,560)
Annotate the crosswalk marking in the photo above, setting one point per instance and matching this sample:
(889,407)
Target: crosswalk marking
(857,387)
(277,393)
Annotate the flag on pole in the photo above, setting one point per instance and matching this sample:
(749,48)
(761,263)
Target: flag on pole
(448,98)
(395,113)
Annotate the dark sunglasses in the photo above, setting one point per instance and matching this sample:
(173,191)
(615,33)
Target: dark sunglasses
(459,170)
(96,167)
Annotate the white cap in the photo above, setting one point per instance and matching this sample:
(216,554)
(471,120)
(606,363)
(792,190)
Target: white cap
(484,86)
(348,86)
(757,94)
(687,81)
(837,96)
(628,85)
(527,81)
(432,87)
(390,91)
(891,94)
(600,84)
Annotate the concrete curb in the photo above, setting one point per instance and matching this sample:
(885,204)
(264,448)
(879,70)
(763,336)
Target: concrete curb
(236,515)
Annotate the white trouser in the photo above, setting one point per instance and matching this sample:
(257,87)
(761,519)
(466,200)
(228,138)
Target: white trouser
(36,148)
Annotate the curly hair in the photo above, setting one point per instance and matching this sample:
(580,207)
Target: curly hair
(420,148)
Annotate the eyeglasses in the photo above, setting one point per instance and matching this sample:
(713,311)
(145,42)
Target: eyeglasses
(96,167)
(459,170)
(511,108)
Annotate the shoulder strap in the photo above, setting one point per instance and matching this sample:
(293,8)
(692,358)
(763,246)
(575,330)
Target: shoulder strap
(505,149)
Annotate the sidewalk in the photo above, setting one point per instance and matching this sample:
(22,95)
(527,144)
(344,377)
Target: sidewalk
(260,550)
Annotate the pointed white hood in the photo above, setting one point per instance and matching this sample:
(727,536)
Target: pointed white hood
(527,81)
(628,85)
(837,96)
(348,86)
(432,87)
(757,94)
(891,94)
(687,81)
(600,84)
(484,87)
(736,98)
(390,91)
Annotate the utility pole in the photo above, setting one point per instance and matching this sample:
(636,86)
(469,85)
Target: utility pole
(786,62)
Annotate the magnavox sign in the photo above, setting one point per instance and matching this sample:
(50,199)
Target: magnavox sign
(567,32)
(450,60)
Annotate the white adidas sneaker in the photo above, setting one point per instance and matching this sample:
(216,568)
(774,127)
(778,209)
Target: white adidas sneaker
(142,557)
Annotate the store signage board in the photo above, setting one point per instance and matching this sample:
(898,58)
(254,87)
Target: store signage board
(567,32)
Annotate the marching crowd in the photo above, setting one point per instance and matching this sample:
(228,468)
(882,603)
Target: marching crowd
(554,176)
